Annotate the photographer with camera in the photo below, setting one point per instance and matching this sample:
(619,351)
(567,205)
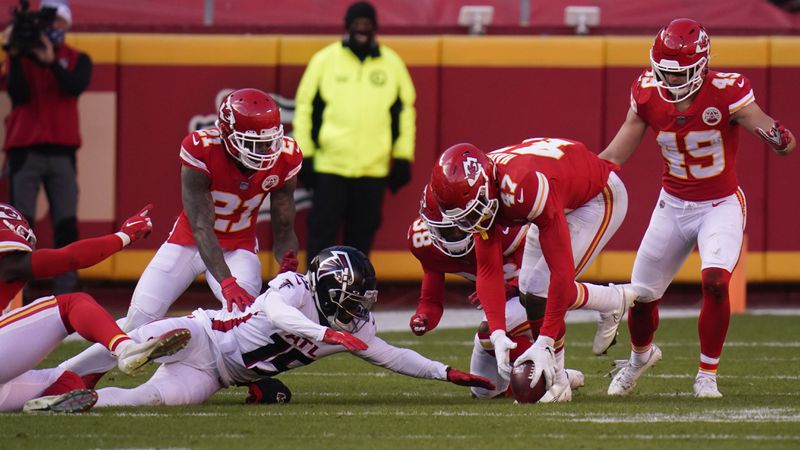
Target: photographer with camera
(44,77)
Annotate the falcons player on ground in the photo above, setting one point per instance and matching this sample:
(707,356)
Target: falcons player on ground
(300,319)
(695,113)
(576,203)
(226,174)
(30,333)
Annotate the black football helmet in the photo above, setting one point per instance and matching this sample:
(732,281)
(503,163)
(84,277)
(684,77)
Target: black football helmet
(343,286)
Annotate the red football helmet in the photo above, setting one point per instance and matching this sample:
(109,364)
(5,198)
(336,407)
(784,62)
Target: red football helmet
(250,122)
(464,187)
(13,220)
(681,48)
(445,235)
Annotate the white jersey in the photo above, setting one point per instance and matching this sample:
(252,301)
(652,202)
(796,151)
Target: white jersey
(283,330)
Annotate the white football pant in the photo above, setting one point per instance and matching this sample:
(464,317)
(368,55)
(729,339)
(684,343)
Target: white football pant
(27,336)
(716,226)
(591,226)
(169,274)
(189,377)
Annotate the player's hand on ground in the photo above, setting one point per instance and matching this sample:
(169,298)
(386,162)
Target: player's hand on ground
(542,354)
(419,324)
(502,346)
(289,262)
(345,339)
(467,379)
(778,137)
(136,227)
(474,300)
(235,294)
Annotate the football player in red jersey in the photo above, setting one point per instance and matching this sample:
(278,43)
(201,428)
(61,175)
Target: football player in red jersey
(696,114)
(30,333)
(576,202)
(226,173)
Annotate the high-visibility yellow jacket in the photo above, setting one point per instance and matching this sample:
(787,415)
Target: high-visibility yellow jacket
(353,117)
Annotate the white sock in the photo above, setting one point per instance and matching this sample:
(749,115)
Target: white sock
(604,299)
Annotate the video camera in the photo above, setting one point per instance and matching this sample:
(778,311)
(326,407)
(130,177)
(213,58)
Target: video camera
(28,27)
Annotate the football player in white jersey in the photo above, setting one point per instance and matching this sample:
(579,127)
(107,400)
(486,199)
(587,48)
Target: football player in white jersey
(298,320)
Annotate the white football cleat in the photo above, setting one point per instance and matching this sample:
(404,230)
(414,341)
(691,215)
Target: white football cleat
(576,379)
(558,393)
(608,325)
(79,400)
(706,387)
(627,373)
(134,356)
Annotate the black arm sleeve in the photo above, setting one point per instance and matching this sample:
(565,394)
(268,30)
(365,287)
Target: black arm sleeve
(18,88)
(75,82)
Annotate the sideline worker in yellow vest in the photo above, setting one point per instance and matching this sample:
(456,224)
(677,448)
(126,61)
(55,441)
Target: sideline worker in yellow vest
(355,121)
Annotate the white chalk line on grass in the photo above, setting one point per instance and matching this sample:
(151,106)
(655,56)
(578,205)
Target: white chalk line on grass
(745,415)
(651,375)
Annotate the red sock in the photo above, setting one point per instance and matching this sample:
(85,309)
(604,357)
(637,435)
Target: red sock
(643,323)
(91,379)
(67,382)
(715,315)
(81,313)
(523,343)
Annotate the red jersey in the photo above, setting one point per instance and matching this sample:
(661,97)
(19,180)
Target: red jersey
(11,242)
(237,196)
(537,180)
(699,145)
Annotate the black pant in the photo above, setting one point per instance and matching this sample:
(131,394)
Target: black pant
(54,167)
(356,203)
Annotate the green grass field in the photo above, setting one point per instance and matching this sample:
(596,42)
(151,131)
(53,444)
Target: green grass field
(343,402)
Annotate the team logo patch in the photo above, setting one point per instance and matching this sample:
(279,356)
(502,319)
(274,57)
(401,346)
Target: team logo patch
(472,170)
(711,116)
(377,77)
(270,182)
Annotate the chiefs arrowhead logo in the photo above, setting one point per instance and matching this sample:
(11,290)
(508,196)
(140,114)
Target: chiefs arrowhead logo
(472,170)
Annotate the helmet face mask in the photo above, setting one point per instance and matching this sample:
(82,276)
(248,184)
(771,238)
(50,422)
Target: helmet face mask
(250,123)
(464,188)
(13,220)
(478,215)
(343,286)
(445,235)
(681,48)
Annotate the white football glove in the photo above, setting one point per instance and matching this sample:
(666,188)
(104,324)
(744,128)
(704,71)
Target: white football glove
(542,355)
(502,344)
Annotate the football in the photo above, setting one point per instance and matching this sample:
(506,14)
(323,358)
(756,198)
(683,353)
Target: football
(521,384)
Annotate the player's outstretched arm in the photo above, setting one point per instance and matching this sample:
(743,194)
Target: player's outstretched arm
(282,210)
(45,263)
(626,141)
(199,207)
(756,121)
(411,363)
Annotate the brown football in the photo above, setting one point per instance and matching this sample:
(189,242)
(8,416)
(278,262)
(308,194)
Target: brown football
(521,384)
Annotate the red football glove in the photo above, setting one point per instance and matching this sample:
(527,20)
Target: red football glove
(289,262)
(136,227)
(233,293)
(345,339)
(467,379)
(419,324)
(778,136)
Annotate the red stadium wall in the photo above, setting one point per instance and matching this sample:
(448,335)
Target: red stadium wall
(491,91)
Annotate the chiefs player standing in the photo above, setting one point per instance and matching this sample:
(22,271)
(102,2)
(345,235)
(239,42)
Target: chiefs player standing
(227,172)
(576,202)
(696,114)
